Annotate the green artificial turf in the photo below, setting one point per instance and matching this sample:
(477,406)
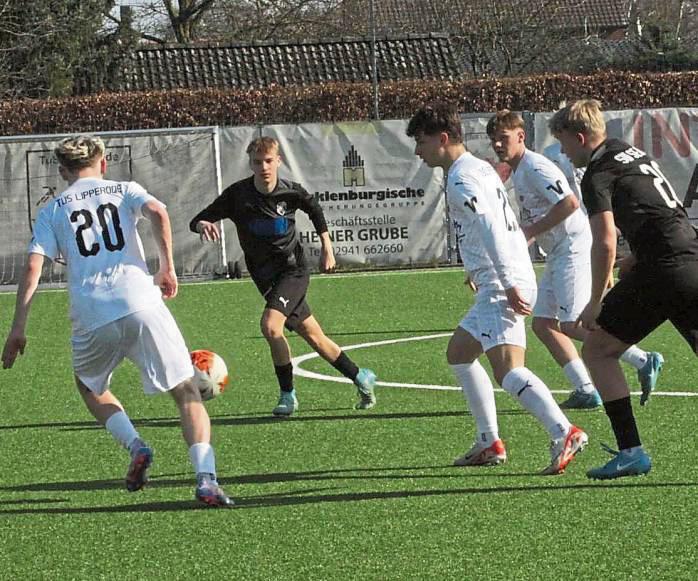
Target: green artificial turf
(333,493)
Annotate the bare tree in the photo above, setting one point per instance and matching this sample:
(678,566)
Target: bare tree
(43,48)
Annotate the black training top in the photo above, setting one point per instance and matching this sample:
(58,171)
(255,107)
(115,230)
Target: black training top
(266,224)
(622,179)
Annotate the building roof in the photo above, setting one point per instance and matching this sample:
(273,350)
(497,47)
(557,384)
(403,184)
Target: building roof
(253,65)
(419,15)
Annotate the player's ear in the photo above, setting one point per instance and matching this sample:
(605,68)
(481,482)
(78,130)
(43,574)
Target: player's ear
(103,165)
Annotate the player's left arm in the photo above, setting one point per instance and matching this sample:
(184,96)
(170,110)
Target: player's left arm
(310,206)
(159,219)
(478,198)
(603,256)
(16,339)
(556,215)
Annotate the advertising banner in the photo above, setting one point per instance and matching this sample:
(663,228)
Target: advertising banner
(176,166)
(383,206)
(667,135)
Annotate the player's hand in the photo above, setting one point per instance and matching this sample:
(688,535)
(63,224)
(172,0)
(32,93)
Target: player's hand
(587,318)
(208,231)
(470,284)
(527,233)
(517,302)
(327,260)
(167,281)
(14,345)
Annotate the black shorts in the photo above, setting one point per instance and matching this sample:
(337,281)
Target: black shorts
(286,294)
(643,300)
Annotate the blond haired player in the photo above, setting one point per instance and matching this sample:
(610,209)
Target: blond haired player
(495,253)
(116,307)
(551,214)
(624,188)
(263,208)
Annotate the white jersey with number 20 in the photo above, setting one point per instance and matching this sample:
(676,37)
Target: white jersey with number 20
(493,248)
(92,225)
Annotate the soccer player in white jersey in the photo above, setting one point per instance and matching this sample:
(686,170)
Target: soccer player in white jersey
(117,310)
(572,174)
(551,214)
(495,253)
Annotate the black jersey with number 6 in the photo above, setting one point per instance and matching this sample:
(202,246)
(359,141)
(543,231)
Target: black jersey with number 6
(622,179)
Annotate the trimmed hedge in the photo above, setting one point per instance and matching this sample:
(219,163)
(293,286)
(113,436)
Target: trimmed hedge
(338,102)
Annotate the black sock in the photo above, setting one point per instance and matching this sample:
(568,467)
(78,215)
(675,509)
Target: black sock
(620,412)
(346,366)
(284,373)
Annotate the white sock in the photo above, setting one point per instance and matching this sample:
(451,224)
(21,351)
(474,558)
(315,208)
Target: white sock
(120,427)
(578,375)
(203,458)
(478,392)
(634,356)
(536,398)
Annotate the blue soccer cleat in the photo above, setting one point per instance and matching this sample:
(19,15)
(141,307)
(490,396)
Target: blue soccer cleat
(365,383)
(623,463)
(648,374)
(286,405)
(578,400)
(137,475)
(209,492)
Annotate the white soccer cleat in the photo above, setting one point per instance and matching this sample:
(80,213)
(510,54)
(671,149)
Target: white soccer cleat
(563,450)
(480,455)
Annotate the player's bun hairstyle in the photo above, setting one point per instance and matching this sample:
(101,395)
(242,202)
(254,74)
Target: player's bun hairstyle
(583,116)
(262,145)
(504,119)
(436,118)
(80,151)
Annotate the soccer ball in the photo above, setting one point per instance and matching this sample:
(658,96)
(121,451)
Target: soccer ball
(210,373)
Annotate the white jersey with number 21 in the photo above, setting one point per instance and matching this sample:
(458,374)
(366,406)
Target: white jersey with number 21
(92,225)
(493,248)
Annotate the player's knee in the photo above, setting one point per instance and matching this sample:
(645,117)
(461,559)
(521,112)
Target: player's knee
(541,327)
(456,355)
(270,330)
(593,349)
(185,392)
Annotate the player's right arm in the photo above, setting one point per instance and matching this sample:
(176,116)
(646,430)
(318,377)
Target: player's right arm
(16,338)
(204,223)
(550,183)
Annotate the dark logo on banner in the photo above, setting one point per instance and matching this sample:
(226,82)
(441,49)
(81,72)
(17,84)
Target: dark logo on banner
(353,169)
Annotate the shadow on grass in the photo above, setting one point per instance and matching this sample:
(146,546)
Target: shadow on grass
(331,333)
(166,480)
(265,418)
(311,497)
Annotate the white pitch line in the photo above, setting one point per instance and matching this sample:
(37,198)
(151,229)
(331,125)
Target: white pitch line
(299,371)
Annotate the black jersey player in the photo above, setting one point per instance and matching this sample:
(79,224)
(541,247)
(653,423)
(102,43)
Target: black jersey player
(623,187)
(263,208)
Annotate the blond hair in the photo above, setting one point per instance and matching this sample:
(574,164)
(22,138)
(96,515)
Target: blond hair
(79,151)
(583,116)
(262,145)
(504,119)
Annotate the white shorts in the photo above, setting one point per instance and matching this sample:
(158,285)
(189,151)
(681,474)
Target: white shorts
(150,338)
(564,289)
(492,322)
